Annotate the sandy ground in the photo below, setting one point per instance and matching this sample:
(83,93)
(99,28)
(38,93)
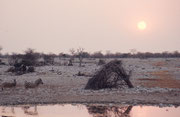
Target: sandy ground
(156,81)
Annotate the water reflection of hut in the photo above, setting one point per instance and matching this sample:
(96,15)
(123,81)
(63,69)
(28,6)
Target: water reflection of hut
(109,111)
(27,110)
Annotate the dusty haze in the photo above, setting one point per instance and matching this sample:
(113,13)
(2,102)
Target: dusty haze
(58,25)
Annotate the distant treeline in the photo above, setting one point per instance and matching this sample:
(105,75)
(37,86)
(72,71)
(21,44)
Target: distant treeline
(134,55)
(98,54)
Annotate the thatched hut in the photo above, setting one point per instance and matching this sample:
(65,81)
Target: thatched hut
(111,75)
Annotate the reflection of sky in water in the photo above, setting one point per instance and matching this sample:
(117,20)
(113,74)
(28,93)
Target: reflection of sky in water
(88,111)
(150,111)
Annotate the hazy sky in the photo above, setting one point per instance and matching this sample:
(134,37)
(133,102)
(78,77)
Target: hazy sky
(58,25)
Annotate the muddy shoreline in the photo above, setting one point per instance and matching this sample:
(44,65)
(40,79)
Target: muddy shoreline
(153,98)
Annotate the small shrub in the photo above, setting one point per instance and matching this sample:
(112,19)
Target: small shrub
(30,58)
(101,62)
(40,63)
(2,63)
(11,69)
(80,74)
(48,59)
(65,63)
(27,62)
(70,63)
(31,69)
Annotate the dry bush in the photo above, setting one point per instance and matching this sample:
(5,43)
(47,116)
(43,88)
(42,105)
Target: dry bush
(31,69)
(101,62)
(23,63)
(80,55)
(30,58)
(48,59)
(11,69)
(70,63)
(2,63)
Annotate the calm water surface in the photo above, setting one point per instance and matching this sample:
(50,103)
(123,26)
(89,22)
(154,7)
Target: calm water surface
(69,110)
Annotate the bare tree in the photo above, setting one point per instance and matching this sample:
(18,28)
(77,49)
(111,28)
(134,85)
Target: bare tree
(80,52)
(30,57)
(0,52)
(133,51)
(0,49)
(108,54)
(72,52)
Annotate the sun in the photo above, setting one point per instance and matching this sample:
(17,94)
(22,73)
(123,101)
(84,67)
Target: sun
(141,25)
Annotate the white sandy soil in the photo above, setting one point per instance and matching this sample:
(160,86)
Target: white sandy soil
(156,81)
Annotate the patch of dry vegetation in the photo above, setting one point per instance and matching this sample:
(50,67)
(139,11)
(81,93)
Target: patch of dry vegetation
(162,79)
(159,64)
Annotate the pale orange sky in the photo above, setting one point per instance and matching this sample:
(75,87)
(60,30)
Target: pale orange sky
(58,25)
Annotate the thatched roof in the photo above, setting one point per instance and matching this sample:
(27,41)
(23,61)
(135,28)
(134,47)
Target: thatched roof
(111,75)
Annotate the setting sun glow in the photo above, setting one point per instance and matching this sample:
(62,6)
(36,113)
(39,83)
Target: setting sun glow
(142,25)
